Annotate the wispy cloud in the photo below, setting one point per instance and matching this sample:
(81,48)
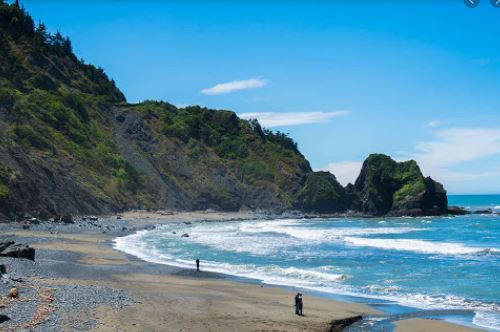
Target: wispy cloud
(433,123)
(345,171)
(458,145)
(233,86)
(454,148)
(275,119)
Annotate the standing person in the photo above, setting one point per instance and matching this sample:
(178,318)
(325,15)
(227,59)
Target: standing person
(301,304)
(198,264)
(298,304)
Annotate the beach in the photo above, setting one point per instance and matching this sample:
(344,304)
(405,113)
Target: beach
(96,287)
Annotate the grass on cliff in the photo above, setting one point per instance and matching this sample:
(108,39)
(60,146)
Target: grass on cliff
(409,175)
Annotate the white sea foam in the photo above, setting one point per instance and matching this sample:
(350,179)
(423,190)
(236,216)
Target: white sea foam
(427,247)
(271,274)
(497,207)
(487,319)
(294,229)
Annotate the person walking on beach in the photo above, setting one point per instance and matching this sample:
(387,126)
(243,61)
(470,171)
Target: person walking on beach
(198,264)
(298,304)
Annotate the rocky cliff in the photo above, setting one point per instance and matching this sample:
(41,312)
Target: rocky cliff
(386,187)
(71,144)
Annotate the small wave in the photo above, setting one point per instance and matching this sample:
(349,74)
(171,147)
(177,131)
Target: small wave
(487,319)
(273,274)
(383,289)
(298,231)
(427,247)
(496,207)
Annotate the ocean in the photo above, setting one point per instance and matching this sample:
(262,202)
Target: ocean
(431,263)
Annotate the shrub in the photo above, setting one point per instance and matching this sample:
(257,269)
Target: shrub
(4,191)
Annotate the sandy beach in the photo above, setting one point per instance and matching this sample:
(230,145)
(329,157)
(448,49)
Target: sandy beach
(98,288)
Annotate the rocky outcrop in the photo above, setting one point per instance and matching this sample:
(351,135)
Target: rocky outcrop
(387,187)
(340,324)
(16,250)
(383,187)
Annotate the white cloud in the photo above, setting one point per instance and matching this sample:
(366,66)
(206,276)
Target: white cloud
(274,119)
(458,145)
(228,87)
(434,123)
(455,147)
(345,171)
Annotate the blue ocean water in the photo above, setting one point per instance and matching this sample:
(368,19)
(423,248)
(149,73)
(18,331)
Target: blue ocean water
(430,263)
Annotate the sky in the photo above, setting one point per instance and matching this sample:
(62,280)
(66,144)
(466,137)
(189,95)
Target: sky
(411,79)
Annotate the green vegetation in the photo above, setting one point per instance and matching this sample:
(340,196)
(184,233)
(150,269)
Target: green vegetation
(4,191)
(409,175)
(322,193)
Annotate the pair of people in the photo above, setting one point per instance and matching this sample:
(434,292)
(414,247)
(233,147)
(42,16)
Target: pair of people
(298,304)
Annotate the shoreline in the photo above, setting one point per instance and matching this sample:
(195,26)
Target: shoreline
(86,254)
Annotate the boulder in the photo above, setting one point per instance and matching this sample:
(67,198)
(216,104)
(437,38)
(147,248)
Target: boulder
(3,269)
(4,318)
(33,221)
(14,293)
(67,219)
(487,211)
(457,211)
(185,235)
(16,250)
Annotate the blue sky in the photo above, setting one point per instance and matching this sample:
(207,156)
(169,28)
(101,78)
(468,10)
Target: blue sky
(412,79)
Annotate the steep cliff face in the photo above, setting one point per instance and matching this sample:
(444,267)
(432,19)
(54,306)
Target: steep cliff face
(69,143)
(386,187)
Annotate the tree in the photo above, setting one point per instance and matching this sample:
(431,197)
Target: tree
(41,35)
(67,47)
